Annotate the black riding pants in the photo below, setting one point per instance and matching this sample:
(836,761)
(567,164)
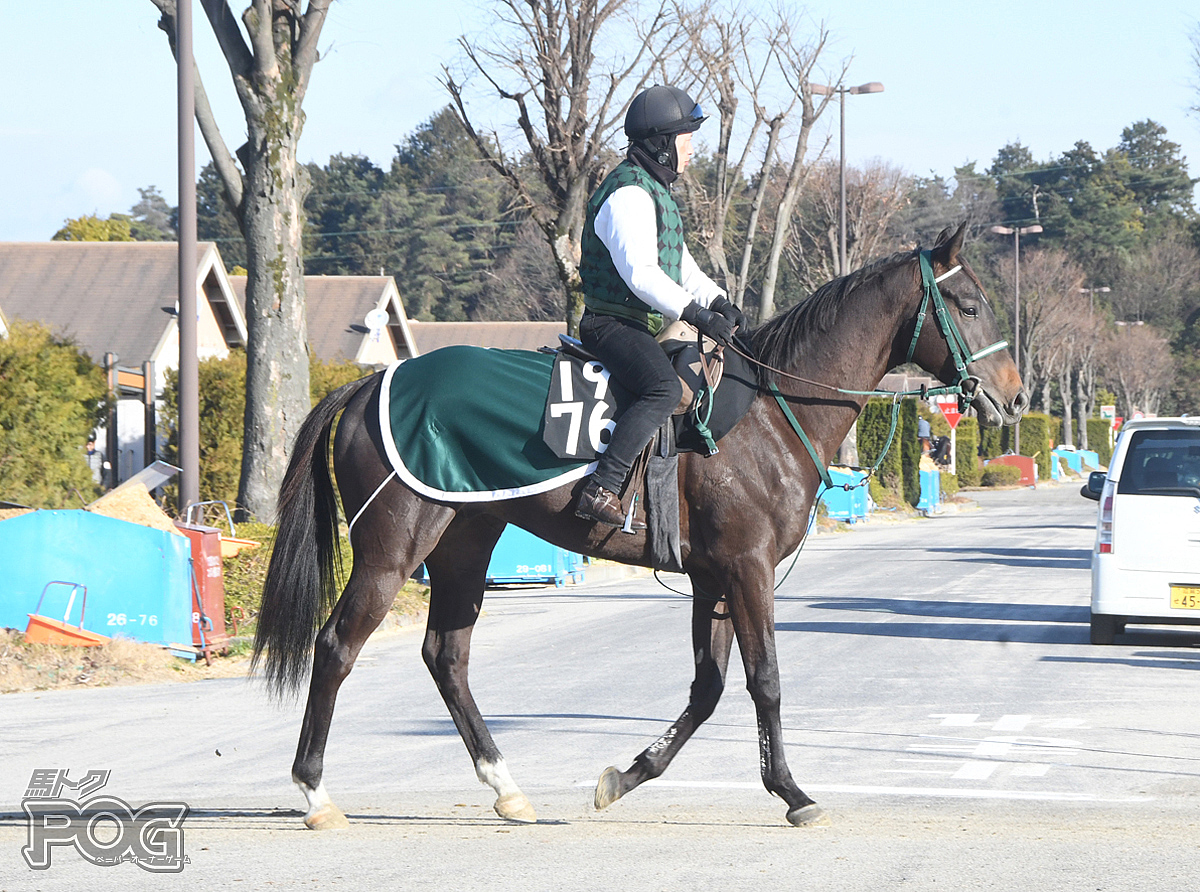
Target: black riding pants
(641,366)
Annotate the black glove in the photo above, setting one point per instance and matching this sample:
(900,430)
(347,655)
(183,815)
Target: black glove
(709,323)
(732,312)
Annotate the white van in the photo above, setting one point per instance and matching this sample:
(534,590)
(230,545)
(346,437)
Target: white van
(1146,559)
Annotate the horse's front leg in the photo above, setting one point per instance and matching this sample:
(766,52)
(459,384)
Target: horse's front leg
(712,637)
(752,607)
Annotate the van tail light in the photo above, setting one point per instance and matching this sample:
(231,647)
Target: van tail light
(1106,522)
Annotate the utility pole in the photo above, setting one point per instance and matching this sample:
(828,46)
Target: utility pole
(189,363)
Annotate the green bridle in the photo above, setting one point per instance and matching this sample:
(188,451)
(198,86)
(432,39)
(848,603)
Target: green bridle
(958,349)
(949,328)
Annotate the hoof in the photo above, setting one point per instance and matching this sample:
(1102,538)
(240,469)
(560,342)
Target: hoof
(328,818)
(608,788)
(811,815)
(515,807)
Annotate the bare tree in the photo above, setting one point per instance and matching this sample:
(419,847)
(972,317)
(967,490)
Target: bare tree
(1138,364)
(523,285)
(1157,281)
(270,61)
(797,64)
(1090,339)
(738,58)
(557,62)
(1050,304)
(874,194)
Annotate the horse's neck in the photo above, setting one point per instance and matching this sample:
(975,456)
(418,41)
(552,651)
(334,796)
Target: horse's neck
(853,354)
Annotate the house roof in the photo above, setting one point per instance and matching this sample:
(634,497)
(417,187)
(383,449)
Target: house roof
(337,307)
(114,297)
(508,335)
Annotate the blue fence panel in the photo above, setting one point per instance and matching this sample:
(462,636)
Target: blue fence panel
(931,492)
(1091,459)
(138,579)
(1072,458)
(520,556)
(848,505)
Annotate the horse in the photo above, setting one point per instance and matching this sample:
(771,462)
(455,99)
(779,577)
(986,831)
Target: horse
(734,526)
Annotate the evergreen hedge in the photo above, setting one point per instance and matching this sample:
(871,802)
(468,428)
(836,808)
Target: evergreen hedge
(873,426)
(52,397)
(966,452)
(1001,475)
(222,410)
(992,441)
(910,451)
(1035,441)
(1098,431)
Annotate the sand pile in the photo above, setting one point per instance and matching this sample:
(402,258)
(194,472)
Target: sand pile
(132,503)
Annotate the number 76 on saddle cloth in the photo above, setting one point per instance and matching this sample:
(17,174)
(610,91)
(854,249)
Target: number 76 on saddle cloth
(582,408)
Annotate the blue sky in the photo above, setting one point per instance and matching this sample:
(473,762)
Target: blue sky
(87,110)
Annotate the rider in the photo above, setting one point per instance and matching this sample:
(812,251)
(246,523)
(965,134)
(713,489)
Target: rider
(637,273)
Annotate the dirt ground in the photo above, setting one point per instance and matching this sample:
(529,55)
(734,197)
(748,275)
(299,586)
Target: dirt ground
(41,667)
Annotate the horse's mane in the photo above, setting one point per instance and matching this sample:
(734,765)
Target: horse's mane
(781,340)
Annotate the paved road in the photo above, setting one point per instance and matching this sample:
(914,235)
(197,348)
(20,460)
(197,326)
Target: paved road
(941,700)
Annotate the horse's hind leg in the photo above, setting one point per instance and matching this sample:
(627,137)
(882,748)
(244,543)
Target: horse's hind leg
(382,564)
(457,575)
(712,636)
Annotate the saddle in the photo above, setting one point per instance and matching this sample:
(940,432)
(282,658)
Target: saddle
(699,363)
(580,389)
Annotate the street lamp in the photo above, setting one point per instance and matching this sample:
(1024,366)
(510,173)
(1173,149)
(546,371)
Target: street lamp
(826,90)
(1091,293)
(1016,232)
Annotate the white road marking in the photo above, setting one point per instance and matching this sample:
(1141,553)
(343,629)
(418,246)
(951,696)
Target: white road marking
(1012,723)
(956,719)
(975,771)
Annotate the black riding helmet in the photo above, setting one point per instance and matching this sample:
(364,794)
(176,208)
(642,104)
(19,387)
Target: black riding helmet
(662,111)
(655,116)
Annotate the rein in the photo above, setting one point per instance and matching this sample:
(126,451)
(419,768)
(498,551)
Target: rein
(958,349)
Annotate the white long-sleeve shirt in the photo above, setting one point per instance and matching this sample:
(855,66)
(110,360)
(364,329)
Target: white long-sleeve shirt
(628,226)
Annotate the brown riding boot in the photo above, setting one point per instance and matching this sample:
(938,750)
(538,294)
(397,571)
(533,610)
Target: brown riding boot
(598,504)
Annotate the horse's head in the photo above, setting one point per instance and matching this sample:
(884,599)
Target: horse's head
(960,341)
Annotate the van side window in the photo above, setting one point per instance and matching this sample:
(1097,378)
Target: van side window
(1163,463)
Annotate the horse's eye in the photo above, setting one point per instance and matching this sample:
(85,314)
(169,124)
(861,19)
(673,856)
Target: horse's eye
(971,312)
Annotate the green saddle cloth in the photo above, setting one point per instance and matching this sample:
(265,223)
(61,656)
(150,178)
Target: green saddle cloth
(464,424)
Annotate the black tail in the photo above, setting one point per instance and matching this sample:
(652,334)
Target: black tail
(302,586)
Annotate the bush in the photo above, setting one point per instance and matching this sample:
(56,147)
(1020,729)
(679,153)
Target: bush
(910,451)
(222,413)
(966,452)
(873,426)
(1035,441)
(246,572)
(949,484)
(993,441)
(1098,433)
(1001,475)
(52,396)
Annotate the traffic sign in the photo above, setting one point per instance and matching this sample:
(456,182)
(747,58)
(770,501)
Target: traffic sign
(949,407)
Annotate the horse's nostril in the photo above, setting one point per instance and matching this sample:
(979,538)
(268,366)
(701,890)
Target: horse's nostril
(1021,402)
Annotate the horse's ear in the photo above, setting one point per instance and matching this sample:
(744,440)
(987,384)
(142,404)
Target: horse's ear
(947,246)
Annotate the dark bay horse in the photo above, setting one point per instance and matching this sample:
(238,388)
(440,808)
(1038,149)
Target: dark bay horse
(741,512)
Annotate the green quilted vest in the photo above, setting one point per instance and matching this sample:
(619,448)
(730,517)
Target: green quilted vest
(604,291)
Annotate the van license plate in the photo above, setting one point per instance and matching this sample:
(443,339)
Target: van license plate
(1185,597)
